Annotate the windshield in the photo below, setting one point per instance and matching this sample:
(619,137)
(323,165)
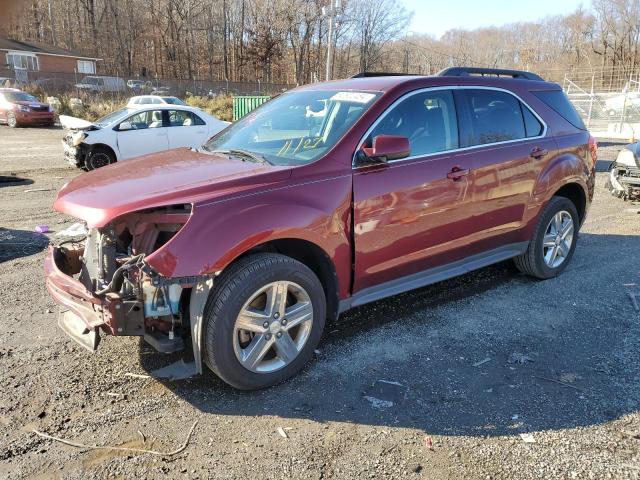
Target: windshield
(107,119)
(295,128)
(19,97)
(173,101)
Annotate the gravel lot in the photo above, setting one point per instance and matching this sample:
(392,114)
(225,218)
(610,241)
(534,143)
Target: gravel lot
(439,383)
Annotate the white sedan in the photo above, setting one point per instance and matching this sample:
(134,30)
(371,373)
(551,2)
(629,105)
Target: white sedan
(154,100)
(134,131)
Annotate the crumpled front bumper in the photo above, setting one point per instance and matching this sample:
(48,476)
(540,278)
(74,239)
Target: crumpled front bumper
(84,314)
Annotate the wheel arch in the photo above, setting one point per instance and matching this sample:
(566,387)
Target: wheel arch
(576,193)
(311,255)
(94,146)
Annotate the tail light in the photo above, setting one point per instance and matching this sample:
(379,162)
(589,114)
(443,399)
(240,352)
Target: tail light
(593,148)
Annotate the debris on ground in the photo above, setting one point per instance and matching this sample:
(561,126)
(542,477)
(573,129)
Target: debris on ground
(136,375)
(30,190)
(527,438)
(386,393)
(122,449)
(519,358)
(634,301)
(428,443)
(559,382)
(482,362)
(74,230)
(282,433)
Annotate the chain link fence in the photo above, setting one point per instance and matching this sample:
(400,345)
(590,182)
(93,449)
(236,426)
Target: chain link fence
(116,87)
(609,104)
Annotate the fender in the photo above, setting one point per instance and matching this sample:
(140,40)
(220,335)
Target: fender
(219,232)
(561,170)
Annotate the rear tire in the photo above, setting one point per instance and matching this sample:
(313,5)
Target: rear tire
(279,337)
(553,242)
(99,157)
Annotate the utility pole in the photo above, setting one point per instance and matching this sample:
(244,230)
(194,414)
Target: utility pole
(331,13)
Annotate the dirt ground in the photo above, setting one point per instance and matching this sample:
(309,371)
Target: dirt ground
(439,383)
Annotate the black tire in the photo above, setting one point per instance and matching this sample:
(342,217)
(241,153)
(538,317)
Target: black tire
(11,120)
(99,157)
(231,291)
(532,262)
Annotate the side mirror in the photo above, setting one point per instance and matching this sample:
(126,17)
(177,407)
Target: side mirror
(125,126)
(387,147)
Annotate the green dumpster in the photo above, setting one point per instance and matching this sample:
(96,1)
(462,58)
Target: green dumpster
(243,105)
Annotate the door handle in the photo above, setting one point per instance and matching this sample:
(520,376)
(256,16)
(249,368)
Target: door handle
(457,173)
(538,153)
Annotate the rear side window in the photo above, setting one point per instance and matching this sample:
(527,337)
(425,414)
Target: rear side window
(496,116)
(532,126)
(427,119)
(558,101)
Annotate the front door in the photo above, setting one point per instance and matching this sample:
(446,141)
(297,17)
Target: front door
(147,134)
(413,214)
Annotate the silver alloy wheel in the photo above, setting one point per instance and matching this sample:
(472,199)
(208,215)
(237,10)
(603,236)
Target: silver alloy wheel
(273,327)
(11,120)
(558,239)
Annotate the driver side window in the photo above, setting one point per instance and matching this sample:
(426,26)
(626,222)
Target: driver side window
(427,119)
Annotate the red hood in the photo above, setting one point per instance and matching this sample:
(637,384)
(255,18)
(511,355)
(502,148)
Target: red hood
(174,176)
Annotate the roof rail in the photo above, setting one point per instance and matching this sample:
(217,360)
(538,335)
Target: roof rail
(500,72)
(381,74)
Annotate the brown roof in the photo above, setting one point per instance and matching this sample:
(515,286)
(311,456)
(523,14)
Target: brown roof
(34,47)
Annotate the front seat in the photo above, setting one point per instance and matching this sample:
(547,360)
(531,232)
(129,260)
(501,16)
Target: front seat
(156,120)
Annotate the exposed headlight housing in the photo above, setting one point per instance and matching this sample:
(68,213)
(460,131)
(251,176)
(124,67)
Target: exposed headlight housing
(78,138)
(23,108)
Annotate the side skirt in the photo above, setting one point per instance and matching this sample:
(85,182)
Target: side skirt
(433,275)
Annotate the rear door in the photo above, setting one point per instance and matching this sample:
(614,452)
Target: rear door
(185,129)
(413,214)
(147,134)
(507,143)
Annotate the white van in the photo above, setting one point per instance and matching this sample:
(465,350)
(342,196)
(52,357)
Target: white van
(97,84)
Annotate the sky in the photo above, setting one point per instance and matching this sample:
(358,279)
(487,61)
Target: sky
(437,16)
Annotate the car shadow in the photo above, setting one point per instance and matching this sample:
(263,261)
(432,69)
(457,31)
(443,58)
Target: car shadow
(13,180)
(489,353)
(20,243)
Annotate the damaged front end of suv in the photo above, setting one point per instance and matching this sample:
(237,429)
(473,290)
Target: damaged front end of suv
(105,283)
(624,173)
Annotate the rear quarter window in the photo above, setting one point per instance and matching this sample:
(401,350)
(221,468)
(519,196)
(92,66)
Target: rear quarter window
(558,101)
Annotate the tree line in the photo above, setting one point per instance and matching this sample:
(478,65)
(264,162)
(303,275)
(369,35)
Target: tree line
(286,41)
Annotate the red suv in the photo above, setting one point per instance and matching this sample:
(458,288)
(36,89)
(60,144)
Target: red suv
(19,108)
(327,197)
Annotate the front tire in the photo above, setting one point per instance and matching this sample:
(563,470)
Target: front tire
(553,242)
(12,121)
(263,320)
(99,157)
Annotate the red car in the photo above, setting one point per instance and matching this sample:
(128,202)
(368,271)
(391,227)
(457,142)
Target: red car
(19,108)
(327,197)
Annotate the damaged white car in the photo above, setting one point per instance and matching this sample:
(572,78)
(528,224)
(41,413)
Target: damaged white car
(135,131)
(624,173)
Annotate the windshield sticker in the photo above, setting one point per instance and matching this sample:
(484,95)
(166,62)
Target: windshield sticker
(355,97)
(304,143)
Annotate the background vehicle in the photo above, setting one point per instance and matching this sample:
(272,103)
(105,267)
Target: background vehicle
(19,108)
(136,85)
(624,173)
(154,100)
(283,221)
(96,84)
(135,131)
